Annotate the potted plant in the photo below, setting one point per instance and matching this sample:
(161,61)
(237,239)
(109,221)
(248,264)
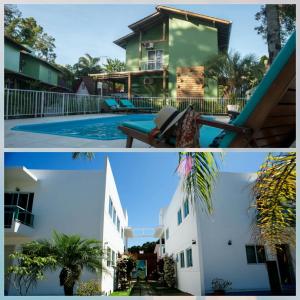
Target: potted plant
(219,286)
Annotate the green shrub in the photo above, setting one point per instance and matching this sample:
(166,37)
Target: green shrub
(169,271)
(89,288)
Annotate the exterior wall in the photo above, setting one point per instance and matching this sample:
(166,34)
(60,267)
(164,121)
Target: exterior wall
(190,44)
(48,74)
(133,59)
(30,66)
(231,221)
(71,202)
(11,57)
(82,90)
(213,257)
(180,239)
(111,237)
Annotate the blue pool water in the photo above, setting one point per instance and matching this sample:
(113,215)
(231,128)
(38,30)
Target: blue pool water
(95,129)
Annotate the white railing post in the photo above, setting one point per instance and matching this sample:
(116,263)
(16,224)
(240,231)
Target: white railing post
(35,104)
(63,104)
(42,103)
(7,103)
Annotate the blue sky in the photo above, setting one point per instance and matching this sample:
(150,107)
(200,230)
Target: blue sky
(145,181)
(80,29)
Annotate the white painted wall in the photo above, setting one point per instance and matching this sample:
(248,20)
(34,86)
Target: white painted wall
(72,202)
(231,220)
(180,239)
(111,237)
(212,256)
(82,90)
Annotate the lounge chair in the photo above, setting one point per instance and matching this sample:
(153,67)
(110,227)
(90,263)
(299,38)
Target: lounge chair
(128,104)
(267,120)
(113,106)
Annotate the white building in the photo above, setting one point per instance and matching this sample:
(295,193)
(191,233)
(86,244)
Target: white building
(70,201)
(221,246)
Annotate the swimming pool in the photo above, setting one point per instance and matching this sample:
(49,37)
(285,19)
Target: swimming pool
(105,128)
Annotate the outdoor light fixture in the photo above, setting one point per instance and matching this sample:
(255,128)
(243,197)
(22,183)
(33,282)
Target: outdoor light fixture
(229,242)
(17,189)
(193,242)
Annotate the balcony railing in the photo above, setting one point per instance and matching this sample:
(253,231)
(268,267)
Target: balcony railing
(152,65)
(17,213)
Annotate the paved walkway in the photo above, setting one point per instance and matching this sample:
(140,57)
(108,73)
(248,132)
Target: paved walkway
(22,139)
(151,288)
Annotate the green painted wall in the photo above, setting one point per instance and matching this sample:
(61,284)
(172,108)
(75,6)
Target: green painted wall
(11,57)
(132,54)
(132,50)
(30,66)
(190,44)
(48,74)
(154,90)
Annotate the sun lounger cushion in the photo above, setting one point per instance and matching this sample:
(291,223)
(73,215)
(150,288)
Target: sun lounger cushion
(207,133)
(276,67)
(112,103)
(142,126)
(127,103)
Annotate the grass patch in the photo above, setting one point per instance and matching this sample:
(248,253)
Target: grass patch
(121,293)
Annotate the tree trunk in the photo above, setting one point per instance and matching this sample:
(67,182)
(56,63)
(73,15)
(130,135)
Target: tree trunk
(68,289)
(273,31)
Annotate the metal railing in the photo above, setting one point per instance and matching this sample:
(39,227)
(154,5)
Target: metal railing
(17,213)
(29,103)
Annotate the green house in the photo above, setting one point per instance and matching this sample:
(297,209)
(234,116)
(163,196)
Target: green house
(24,70)
(166,53)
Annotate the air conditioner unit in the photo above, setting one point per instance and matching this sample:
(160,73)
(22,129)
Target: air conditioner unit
(149,45)
(148,81)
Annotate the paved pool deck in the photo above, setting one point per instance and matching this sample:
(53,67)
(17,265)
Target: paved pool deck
(22,139)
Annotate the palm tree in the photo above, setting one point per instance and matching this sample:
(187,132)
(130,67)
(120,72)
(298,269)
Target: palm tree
(87,65)
(236,74)
(87,155)
(71,253)
(114,65)
(274,194)
(199,171)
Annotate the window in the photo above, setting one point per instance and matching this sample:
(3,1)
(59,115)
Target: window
(167,234)
(155,59)
(110,209)
(114,215)
(118,224)
(113,258)
(179,217)
(186,209)
(255,254)
(182,260)
(122,233)
(189,258)
(18,206)
(108,258)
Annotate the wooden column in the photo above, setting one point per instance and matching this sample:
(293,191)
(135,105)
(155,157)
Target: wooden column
(140,50)
(164,81)
(129,85)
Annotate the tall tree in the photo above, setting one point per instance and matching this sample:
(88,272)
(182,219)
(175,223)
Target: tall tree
(277,22)
(28,32)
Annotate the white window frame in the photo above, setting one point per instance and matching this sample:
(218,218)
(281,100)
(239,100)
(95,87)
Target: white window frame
(256,256)
(155,60)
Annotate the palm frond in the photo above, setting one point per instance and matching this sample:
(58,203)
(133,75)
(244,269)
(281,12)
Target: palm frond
(274,195)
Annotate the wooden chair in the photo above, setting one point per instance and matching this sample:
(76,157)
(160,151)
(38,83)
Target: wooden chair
(268,119)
